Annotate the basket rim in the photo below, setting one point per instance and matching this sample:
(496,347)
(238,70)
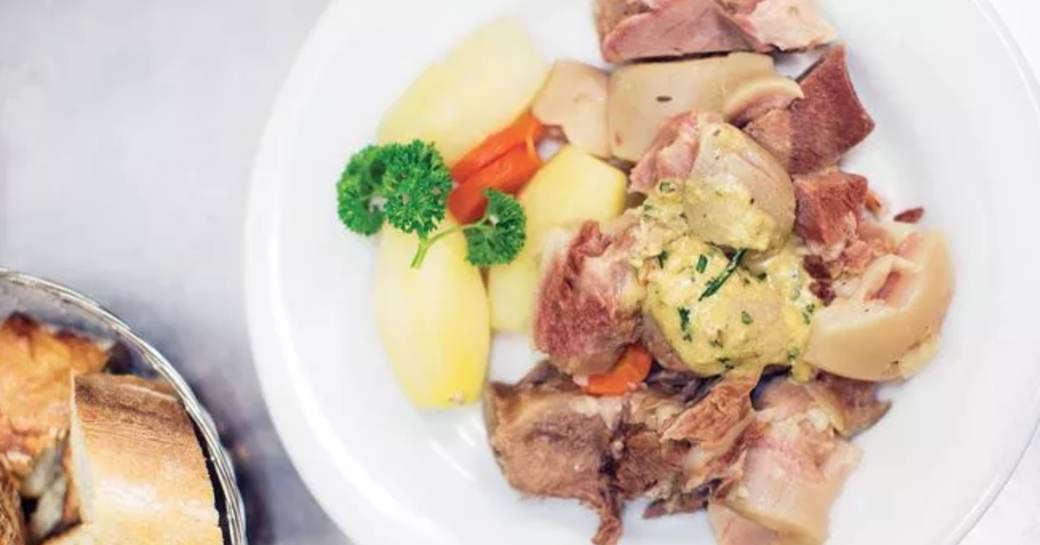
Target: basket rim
(234,505)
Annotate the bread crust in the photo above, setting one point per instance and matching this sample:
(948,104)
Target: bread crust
(12,525)
(35,364)
(136,470)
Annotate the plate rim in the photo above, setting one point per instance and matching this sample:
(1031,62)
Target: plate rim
(259,321)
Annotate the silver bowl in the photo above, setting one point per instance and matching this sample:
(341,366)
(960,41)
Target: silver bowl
(58,305)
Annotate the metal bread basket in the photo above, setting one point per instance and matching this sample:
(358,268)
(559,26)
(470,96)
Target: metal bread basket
(63,307)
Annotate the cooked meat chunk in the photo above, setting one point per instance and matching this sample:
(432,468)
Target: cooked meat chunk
(645,464)
(35,368)
(710,423)
(852,404)
(733,529)
(640,29)
(841,236)
(795,466)
(816,131)
(588,307)
(771,472)
(871,242)
(733,192)
(12,525)
(829,207)
(658,344)
(782,24)
(673,153)
(555,441)
(717,427)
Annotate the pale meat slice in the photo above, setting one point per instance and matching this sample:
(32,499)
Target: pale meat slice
(673,152)
(641,29)
(783,24)
(36,368)
(795,466)
(552,440)
(733,529)
(717,427)
(588,306)
(815,132)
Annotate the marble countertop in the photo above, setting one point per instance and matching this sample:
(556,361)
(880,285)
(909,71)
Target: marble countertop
(127,133)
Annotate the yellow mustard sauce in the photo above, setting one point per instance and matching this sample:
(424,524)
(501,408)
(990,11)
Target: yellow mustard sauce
(759,315)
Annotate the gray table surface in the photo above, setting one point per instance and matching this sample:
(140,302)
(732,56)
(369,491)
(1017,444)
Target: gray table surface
(127,133)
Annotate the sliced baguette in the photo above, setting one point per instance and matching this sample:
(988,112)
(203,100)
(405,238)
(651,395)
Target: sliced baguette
(35,364)
(135,470)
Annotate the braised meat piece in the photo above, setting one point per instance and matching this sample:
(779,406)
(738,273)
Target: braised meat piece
(588,307)
(552,440)
(731,528)
(796,462)
(832,218)
(641,29)
(815,132)
(673,152)
(852,404)
(829,207)
(771,457)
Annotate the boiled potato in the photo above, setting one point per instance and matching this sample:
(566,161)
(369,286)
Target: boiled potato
(888,328)
(482,86)
(433,321)
(571,188)
(643,96)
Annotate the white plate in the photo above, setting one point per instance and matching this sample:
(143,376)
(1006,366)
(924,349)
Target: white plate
(957,132)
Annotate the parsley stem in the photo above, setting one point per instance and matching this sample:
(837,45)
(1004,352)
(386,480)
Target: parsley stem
(426,243)
(717,282)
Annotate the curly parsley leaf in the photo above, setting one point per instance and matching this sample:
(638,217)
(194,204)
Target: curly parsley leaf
(500,235)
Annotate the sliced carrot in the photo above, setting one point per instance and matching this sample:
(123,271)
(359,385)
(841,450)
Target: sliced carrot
(631,370)
(526,130)
(507,174)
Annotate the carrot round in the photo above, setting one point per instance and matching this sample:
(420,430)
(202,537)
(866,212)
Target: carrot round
(631,370)
(507,174)
(524,131)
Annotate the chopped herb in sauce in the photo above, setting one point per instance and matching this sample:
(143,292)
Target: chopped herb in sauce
(662,258)
(666,187)
(746,318)
(716,284)
(807,314)
(702,263)
(792,355)
(684,323)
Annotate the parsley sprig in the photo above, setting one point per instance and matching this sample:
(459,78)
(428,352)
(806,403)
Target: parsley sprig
(407,186)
